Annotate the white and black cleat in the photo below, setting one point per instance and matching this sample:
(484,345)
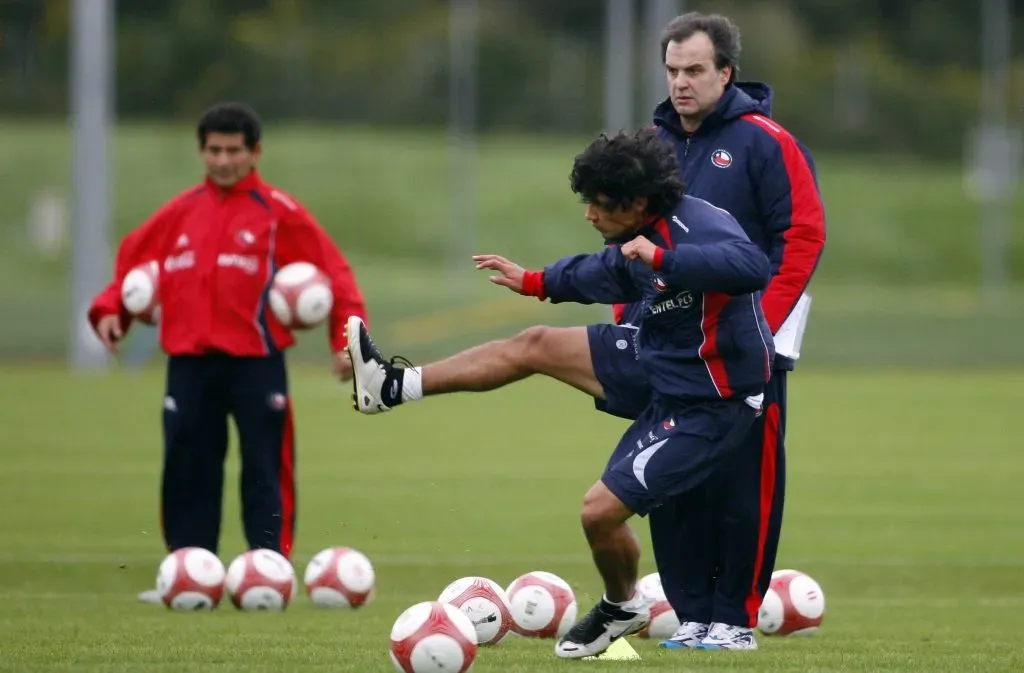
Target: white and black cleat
(376,382)
(601,627)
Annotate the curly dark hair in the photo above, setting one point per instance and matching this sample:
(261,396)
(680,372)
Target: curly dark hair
(624,167)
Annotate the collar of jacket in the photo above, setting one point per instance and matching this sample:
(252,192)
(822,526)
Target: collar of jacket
(649,224)
(246,184)
(649,221)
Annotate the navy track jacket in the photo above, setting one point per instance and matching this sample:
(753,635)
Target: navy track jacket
(702,331)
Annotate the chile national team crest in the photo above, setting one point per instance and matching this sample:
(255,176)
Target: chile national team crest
(721,158)
(659,283)
(245,238)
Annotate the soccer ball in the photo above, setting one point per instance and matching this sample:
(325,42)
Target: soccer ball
(664,622)
(486,605)
(301,296)
(261,579)
(190,579)
(793,605)
(542,604)
(340,577)
(140,292)
(433,636)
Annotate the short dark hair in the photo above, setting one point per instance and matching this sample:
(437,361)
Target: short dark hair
(723,33)
(625,167)
(230,118)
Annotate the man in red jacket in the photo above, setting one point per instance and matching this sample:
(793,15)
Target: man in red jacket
(218,245)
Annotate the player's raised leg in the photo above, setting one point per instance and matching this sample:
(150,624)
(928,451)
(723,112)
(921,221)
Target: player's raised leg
(263,413)
(380,385)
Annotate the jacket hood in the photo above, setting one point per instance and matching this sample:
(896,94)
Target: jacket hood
(740,98)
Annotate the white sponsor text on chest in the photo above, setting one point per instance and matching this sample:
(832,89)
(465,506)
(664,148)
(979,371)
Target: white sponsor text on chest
(187,260)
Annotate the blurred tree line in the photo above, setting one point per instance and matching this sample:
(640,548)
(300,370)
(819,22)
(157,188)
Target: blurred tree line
(896,76)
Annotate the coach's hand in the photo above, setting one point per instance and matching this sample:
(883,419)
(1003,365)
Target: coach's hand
(639,248)
(511,274)
(108,329)
(343,365)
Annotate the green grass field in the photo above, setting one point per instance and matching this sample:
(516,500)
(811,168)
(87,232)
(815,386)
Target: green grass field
(905,497)
(905,502)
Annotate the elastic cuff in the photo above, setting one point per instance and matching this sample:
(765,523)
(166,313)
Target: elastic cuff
(533,284)
(659,254)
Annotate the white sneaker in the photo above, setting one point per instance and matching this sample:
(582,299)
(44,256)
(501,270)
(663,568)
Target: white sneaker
(727,637)
(152,597)
(688,635)
(603,625)
(370,370)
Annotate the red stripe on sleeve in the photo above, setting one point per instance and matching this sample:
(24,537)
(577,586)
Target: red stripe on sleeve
(804,235)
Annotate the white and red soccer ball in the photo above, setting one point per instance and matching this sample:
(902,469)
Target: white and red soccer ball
(486,605)
(542,604)
(140,292)
(261,579)
(793,605)
(340,577)
(433,636)
(664,622)
(190,579)
(300,296)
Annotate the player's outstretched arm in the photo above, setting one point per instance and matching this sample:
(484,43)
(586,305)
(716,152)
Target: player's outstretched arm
(598,278)
(509,275)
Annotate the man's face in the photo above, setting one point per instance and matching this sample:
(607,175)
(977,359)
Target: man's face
(694,84)
(227,158)
(617,221)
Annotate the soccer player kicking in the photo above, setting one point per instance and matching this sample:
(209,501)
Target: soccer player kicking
(218,245)
(704,347)
(733,155)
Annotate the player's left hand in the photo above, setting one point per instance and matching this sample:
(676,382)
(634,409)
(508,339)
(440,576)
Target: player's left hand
(639,248)
(511,273)
(343,365)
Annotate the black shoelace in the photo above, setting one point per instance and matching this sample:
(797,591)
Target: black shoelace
(398,360)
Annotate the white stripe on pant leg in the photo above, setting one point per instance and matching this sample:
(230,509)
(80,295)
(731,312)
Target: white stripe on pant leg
(640,462)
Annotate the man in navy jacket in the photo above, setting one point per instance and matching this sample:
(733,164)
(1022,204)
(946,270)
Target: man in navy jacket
(735,156)
(704,346)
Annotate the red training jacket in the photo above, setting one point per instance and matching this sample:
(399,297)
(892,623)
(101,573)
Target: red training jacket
(218,249)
